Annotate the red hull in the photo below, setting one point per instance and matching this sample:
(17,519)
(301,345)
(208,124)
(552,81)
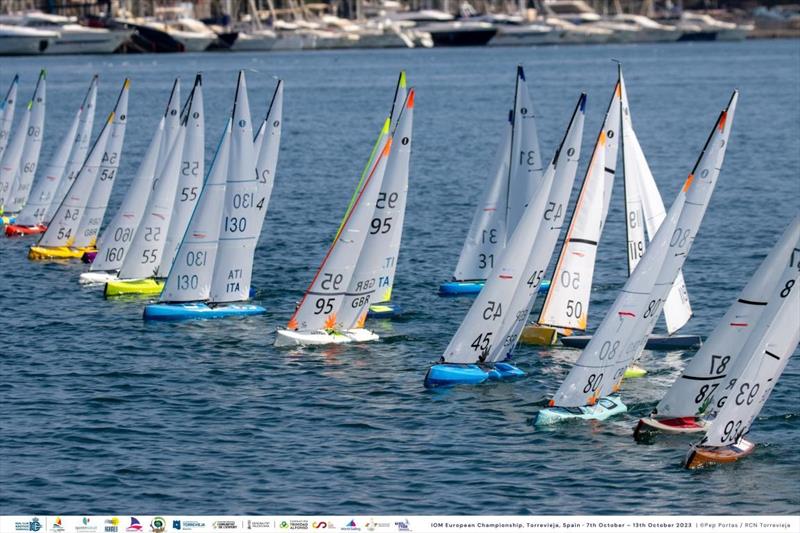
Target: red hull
(15,230)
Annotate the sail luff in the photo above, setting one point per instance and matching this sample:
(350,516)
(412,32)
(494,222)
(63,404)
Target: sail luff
(7,107)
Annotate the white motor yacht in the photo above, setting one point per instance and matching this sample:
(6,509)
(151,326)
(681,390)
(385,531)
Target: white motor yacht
(74,38)
(16,40)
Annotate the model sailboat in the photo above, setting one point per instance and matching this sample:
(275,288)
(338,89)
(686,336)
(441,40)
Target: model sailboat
(481,348)
(211,275)
(566,308)
(118,236)
(335,304)
(755,373)
(516,173)
(137,274)
(22,154)
(60,238)
(590,389)
(31,220)
(700,391)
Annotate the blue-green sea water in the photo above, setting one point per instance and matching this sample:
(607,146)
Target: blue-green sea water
(102,412)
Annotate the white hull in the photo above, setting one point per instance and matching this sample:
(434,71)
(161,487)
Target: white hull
(192,43)
(96,278)
(286,337)
(254,42)
(99,42)
(23,44)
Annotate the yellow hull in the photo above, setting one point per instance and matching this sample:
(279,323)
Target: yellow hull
(538,335)
(124,287)
(634,371)
(39,253)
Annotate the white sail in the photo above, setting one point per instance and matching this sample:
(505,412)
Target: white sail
(190,181)
(516,173)
(9,166)
(525,174)
(321,302)
(118,235)
(490,319)
(172,124)
(611,127)
(62,227)
(266,156)
(189,278)
(79,149)
(645,210)
(567,302)
(30,153)
(95,211)
(45,188)
(765,355)
(552,218)
(694,391)
(238,235)
(488,232)
(379,254)
(7,107)
(623,333)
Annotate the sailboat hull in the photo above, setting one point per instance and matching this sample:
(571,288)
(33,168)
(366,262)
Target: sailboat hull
(88,257)
(537,335)
(604,408)
(460,288)
(8,219)
(701,456)
(654,342)
(648,427)
(285,337)
(96,278)
(199,310)
(43,253)
(634,371)
(448,375)
(16,230)
(384,310)
(130,287)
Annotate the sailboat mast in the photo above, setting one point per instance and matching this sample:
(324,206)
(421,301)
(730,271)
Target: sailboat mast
(513,119)
(624,169)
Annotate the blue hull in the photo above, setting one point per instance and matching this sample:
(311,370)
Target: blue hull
(384,310)
(447,375)
(197,310)
(459,288)
(654,342)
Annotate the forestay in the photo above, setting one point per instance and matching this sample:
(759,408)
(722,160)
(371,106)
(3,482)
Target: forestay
(485,328)
(44,190)
(7,107)
(62,227)
(378,257)
(190,181)
(623,332)
(238,235)
(645,210)
(694,392)
(190,276)
(92,218)
(321,302)
(516,173)
(33,147)
(79,150)
(763,359)
(118,235)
